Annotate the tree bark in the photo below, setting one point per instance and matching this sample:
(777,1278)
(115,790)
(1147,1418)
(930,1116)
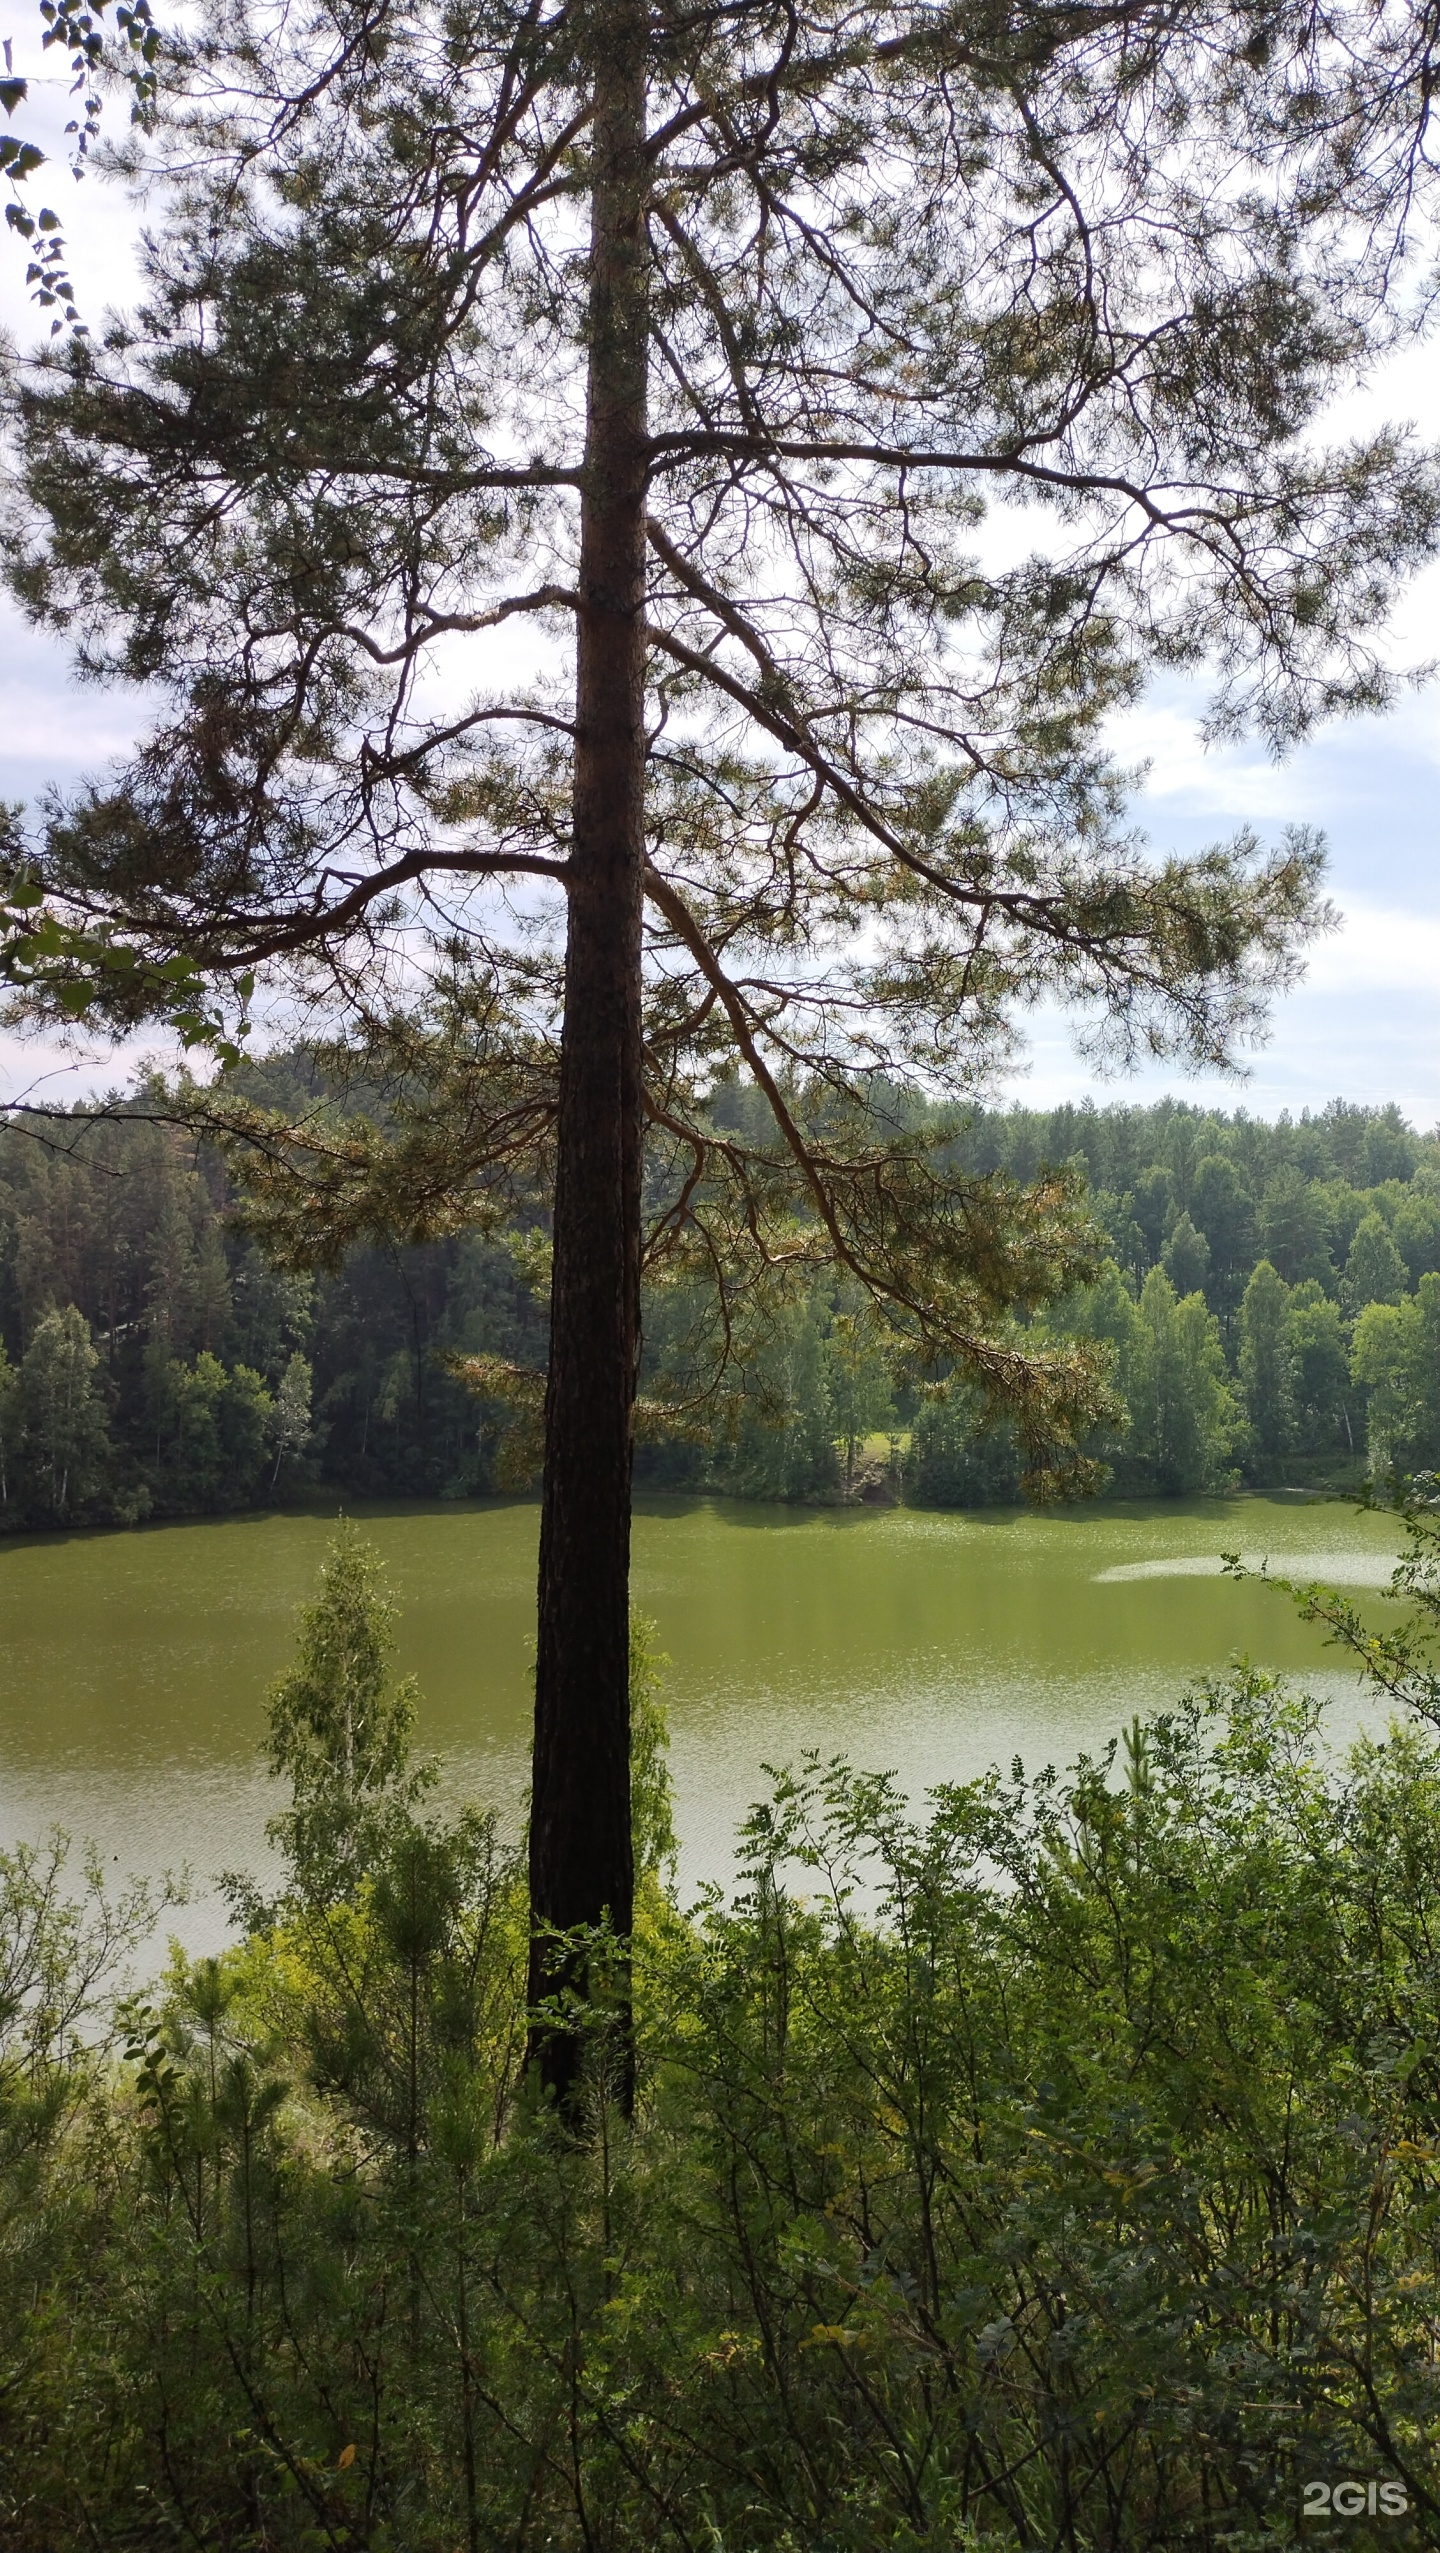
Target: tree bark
(581,1863)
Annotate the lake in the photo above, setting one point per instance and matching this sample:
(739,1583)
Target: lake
(133,1666)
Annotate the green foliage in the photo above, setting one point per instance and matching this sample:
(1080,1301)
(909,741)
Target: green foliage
(62,1956)
(1416,1232)
(425,1367)
(1224,1210)
(1186,1257)
(1182,1412)
(1056,2165)
(858,1359)
(1267,1368)
(957,1461)
(1320,1369)
(10,1435)
(652,1820)
(1396,1357)
(310,429)
(1374,1270)
(1155,1170)
(782,1440)
(212,1428)
(339,1731)
(1293,1231)
(1154,1206)
(292,1428)
(62,1417)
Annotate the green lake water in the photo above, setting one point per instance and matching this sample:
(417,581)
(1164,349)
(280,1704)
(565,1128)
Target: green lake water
(133,1665)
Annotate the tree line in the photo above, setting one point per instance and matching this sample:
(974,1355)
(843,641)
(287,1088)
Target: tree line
(148,1365)
(1269,1297)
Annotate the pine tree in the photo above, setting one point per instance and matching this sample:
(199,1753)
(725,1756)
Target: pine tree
(1156,1208)
(660,365)
(1186,1258)
(1224,1210)
(1292,1229)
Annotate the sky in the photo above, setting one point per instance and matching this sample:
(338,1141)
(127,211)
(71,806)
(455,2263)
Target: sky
(1363,1026)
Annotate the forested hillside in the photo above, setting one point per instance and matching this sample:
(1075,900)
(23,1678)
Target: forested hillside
(1273,1299)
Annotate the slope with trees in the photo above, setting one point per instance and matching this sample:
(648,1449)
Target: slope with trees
(222,1381)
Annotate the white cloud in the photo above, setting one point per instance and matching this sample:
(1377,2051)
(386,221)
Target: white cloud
(1233,783)
(60,737)
(1380,948)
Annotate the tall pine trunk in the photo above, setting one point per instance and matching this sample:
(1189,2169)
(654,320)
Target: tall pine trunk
(581,1863)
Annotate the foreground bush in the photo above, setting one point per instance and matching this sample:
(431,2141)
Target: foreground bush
(1061,2169)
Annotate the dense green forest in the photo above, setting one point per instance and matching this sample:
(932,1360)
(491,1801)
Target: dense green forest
(1059,2170)
(1272,1295)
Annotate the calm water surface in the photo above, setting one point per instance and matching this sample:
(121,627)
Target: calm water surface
(133,1665)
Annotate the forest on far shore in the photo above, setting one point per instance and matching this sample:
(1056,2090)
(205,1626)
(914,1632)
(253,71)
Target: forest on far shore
(1272,1298)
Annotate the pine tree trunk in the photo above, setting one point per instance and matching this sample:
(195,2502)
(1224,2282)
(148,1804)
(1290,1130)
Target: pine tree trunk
(581,1865)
